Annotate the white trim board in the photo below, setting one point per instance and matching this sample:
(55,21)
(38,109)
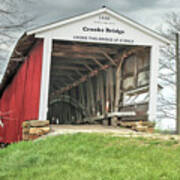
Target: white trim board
(45,76)
(99,11)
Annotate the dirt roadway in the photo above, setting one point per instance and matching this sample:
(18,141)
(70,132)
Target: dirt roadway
(114,131)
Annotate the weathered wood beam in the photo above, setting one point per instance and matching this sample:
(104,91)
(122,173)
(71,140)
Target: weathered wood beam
(58,85)
(72,61)
(70,78)
(81,95)
(117,92)
(68,68)
(88,98)
(18,59)
(97,62)
(111,87)
(122,56)
(64,73)
(109,58)
(83,48)
(88,67)
(79,73)
(101,91)
(67,78)
(135,75)
(107,104)
(59,82)
(118,85)
(110,115)
(77,55)
(92,99)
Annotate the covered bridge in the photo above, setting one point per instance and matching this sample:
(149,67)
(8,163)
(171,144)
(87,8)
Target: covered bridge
(95,67)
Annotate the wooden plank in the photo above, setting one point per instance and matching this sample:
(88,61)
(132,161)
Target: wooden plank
(35,123)
(60,83)
(70,78)
(135,72)
(88,101)
(39,131)
(81,94)
(135,118)
(77,55)
(63,73)
(88,67)
(68,67)
(79,73)
(122,114)
(18,59)
(117,90)
(137,90)
(92,97)
(118,85)
(97,62)
(71,61)
(110,115)
(102,94)
(109,58)
(92,119)
(98,94)
(111,88)
(107,104)
(83,48)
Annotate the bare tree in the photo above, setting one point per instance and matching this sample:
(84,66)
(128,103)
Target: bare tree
(167,72)
(13,19)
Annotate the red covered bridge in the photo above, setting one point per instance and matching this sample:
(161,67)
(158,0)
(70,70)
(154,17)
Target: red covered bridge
(99,64)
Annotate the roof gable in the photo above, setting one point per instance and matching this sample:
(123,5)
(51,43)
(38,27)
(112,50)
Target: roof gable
(100,24)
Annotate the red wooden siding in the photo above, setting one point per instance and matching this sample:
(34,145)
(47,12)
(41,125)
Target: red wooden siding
(21,98)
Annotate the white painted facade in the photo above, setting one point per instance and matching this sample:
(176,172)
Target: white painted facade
(46,65)
(101,26)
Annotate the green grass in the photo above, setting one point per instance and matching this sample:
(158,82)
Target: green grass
(164,131)
(91,157)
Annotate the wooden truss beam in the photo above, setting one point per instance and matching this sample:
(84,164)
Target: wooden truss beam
(97,62)
(109,58)
(62,61)
(18,59)
(73,68)
(64,79)
(77,55)
(65,72)
(83,48)
(79,73)
(88,67)
(122,56)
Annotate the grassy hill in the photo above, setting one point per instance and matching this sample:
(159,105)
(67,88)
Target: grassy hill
(91,156)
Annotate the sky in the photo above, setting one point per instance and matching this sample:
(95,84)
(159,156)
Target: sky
(150,13)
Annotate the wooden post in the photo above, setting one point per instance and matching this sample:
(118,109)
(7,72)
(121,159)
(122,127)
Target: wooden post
(135,71)
(117,92)
(111,87)
(91,96)
(118,84)
(107,92)
(101,79)
(153,89)
(177,85)
(46,64)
